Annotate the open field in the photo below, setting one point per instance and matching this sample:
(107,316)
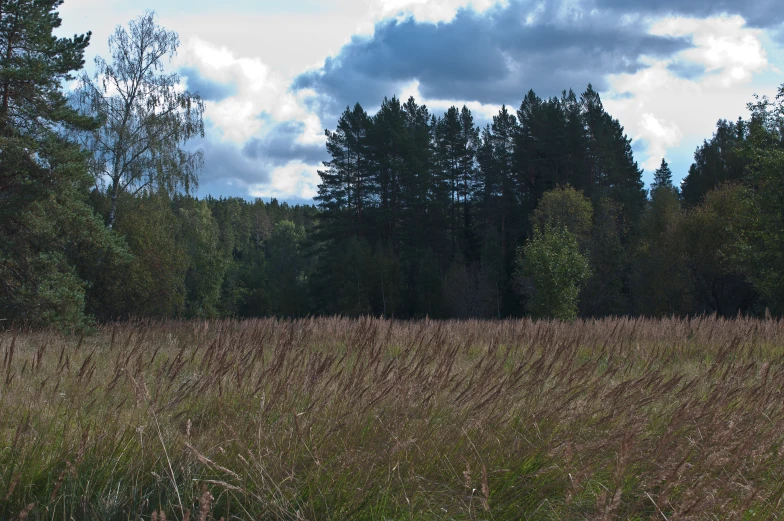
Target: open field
(372,419)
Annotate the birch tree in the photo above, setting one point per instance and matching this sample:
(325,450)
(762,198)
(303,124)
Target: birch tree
(147,116)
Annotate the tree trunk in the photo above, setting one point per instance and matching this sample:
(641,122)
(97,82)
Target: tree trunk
(113,207)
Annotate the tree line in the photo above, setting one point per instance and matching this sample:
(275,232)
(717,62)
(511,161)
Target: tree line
(542,212)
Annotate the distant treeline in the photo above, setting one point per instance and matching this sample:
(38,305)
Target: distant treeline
(543,212)
(425,216)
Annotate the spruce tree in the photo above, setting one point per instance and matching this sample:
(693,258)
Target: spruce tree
(662,176)
(450,150)
(387,154)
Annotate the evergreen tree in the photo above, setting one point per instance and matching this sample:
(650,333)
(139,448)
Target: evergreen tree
(347,185)
(501,177)
(662,177)
(717,161)
(286,270)
(200,236)
(764,154)
(541,147)
(661,280)
(388,150)
(468,182)
(50,240)
(153,283)
(575,166)
(612,171)
(451,148)
(435,186)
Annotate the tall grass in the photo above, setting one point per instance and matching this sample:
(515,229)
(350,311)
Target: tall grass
(374,419)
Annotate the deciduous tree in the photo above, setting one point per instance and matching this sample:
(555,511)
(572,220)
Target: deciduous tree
(147,117)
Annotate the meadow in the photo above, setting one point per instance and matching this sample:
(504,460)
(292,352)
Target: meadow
(371,419)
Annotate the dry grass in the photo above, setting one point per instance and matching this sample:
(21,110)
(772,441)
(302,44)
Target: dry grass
(372,419)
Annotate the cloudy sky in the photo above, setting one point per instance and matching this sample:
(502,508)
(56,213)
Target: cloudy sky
(276,73)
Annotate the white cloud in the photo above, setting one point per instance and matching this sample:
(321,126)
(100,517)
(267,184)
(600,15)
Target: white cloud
(295,179)
(259,54)
(261,93)
(665,109)
(723,45)
(661,135)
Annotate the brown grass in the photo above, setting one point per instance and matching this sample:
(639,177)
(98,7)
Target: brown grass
(375,419)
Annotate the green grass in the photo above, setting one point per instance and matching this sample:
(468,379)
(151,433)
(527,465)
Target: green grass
(371,419)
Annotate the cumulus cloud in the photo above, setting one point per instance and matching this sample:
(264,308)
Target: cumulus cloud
(296,179)
(261,96)
(723,46)
(668,69)
(429,10)
(665,107)
(257,170)
(259,133)
(227,162)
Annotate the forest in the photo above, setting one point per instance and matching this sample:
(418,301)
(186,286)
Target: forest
(472,320)
(541,213)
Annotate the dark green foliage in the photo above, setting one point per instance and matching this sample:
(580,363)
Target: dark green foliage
(264,251)
(285,265)
(345,192)
(764,154)
(450,203)
(200,236)
(153,284)
(662,177)
(717,161)
(47,231)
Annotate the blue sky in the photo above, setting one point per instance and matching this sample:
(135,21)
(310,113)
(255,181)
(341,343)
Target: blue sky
(275,74)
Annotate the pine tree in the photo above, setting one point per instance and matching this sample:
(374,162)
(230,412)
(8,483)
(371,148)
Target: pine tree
(575,166)
(527,143)
(346,183)
(50,240)
(387,154)
(612,170)
(450,149)
(503,173)
(467,181)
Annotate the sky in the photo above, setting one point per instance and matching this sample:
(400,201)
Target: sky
(275,73)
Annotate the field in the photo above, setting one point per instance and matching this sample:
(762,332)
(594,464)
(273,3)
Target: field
(373,419)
